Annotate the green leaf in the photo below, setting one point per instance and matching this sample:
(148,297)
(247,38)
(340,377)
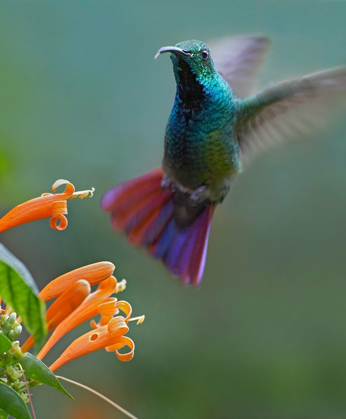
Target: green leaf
(19,290)
(37,370)
(5,344)
(12,403)
(3,414)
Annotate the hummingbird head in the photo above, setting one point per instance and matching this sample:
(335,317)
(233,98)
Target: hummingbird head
(191,61)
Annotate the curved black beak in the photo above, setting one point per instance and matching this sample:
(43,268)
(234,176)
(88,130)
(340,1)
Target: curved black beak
(174,50)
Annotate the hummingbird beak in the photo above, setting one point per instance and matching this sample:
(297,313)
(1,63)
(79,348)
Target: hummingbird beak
(174,50)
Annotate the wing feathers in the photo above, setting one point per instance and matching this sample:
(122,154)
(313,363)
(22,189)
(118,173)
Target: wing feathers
(289,109)
(238,60)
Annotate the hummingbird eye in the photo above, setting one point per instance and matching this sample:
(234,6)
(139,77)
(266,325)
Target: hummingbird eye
(205,55)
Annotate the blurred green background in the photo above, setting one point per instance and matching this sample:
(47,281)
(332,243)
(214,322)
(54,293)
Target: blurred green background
(83,99)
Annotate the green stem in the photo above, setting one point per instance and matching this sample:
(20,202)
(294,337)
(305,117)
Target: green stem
(28,391)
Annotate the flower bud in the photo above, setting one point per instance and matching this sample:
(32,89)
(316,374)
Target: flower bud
(14,333)
(12,318)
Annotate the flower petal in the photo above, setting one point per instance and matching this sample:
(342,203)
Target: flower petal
(87,310)
(56,225)
(129,355)
(63,307)
(93,341)
(117,326)
(126,308)
(94,274)
(69,189)
(109,307)
(67,303)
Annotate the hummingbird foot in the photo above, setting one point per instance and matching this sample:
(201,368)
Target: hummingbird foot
(214,193)
(199,195)
(167,182)
(223,192)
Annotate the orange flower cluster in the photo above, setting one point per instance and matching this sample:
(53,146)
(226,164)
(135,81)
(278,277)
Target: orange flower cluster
(48,205)
(76,304)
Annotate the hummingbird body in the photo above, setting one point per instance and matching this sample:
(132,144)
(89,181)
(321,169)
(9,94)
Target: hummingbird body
(216,124)
(200,149)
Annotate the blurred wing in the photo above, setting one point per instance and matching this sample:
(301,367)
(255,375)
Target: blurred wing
(288,109)
(238,59)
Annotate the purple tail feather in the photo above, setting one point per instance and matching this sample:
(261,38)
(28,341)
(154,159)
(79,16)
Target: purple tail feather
(146,213)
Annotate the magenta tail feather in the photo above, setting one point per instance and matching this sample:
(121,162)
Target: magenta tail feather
(145,212)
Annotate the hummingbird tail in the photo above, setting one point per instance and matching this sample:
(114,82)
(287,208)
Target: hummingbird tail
(145,212)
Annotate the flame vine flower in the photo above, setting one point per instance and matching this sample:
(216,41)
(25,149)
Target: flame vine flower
(52,205)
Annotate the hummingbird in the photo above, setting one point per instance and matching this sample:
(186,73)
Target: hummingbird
(217,124)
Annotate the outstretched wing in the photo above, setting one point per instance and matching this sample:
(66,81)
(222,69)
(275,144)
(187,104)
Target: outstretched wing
(288,109)
(238,59)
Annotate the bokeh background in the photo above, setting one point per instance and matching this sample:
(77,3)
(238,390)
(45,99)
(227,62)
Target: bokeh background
(82,98)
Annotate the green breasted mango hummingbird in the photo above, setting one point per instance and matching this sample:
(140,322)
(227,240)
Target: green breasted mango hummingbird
(217,123)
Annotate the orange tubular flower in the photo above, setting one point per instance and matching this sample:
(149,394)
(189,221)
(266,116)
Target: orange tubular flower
(94,274)
(48,205)
(62,308)
(111,337)
(86,310)
(76,304)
